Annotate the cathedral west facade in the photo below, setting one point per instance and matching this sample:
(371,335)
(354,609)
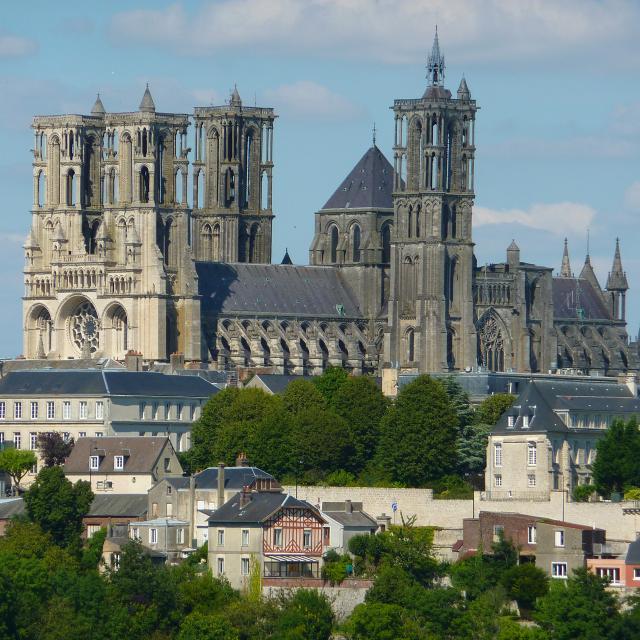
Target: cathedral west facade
(117,260)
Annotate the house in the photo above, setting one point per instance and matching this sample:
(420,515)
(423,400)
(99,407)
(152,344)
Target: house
(80,403)
(167,536)
(122,465)
(563,547)
(114,544)
(618,563)
(547,440)
(269,532)
(9,509)
(108,511)
(345,520)
(195,498)
(272,383)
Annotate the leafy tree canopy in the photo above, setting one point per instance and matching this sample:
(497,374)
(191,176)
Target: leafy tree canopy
(330,381)
(16,463)
(492,407)
(53,448)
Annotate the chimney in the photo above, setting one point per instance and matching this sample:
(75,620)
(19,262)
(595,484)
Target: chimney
(348,506)
(133,360)
(176,362)
(245,496)
(192,504)
(221,500)
(241,460)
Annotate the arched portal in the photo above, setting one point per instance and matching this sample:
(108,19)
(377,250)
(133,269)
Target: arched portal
(116,332)
(490,344)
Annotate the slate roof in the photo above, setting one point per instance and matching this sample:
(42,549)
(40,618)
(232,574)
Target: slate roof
(23,364)
(277,383)
(108,382)
(119,505)
(11,507)
(258,509)
(274,289)
(633,553)
(234,477)
(354,518)
(141,453)
(571,294)
(369,184)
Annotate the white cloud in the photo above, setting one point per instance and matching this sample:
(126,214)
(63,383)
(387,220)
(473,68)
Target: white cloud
(15,46)
(562,218)
(632,196)
(396,31)
(306,99)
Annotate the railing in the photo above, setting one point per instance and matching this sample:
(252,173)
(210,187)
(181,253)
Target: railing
(531,496)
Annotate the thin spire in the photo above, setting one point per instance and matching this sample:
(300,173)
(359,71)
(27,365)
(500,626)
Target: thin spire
(147,104)
(374,134)
(435,63)
(565,269)
(617,279)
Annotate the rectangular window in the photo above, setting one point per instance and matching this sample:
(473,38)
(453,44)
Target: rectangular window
(98,434)
(636,573)
(3,410)
(532,454)
(245,537)
(221,537)
(612,574)
(220,566)
(498,532)
(558,569)
(525,422)
(531,534)
(169,509)
(17,409)
(83,410)
(82,434)
(497,480)
(559,538)
(118,463)
(17,440)
(306,538)
(99,410)
(169,489)
(34,410)
(51,410)
(65,436)
(531,480)
(153,536)
(277,537)
(135,533)
(66,410)
(1,437)
(511,420)
(497,454)
(244,566)
(92,528)
(33,441)
(94,462)
(180,536)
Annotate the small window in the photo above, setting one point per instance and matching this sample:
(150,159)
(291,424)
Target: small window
(94,462)
(532,454)
(167,464)
(306,538)
(612,574)
(154,510)
(497,454)
(153,536)
(220,566)
(99,410)
(510,421)
(525,422)
(498,532)
(83,410)
(559,538)
(99,434)
(3,410)
(558,569)
(497,480)
(82,434)
(34,410)
(169,489)
(180,536)
(531,534)
(17,440)
(169,509)
(221,537)
(66,410)
(277,537)
(531,480)
(636,573)
(245,537)
(1,437)
(33,441)
(17,410)
(51,410)
(135,533)
(244,566)
(118,463)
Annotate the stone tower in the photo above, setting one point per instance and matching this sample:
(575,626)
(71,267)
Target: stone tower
(431,316)
(232,182)
(617,286)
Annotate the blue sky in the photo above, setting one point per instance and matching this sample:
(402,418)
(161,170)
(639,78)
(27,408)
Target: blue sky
(558,133)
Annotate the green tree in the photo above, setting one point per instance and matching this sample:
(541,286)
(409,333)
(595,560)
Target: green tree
(617,462)
(16,463)
(57,505)
(378,621)
(307,615)
(472,448)
(53,448)
(302,395)
(361,403)
(206,626)
(492,407)
(459,400)
(269,441)
(579,608)
(419,434)
(330,381)
(525,583)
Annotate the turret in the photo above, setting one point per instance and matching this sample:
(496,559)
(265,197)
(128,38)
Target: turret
(617,286)
(565,269)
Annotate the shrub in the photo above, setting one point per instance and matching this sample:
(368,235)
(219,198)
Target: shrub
(632,493)
(583,492)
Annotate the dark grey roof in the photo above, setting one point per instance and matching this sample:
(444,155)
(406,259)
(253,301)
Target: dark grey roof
(11,507)
(369,184)
(572,294)
(277,383)
(258,509)
(355,517)
(633,553)
(435,92)
(147,104)
(108,382)
(119,505)
(234,477)
(274,289)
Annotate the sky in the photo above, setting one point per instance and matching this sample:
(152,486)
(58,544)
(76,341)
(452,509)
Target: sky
(557,135)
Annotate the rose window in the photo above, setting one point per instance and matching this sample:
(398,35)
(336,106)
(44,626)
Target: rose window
(84,327)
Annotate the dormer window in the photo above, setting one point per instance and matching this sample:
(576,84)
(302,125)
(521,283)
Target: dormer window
(118,463)
(525,422)
(94,463)
(511,421)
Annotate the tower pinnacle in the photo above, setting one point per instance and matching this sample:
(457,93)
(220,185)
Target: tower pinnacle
(435,63)
(617,280)
(565,269)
